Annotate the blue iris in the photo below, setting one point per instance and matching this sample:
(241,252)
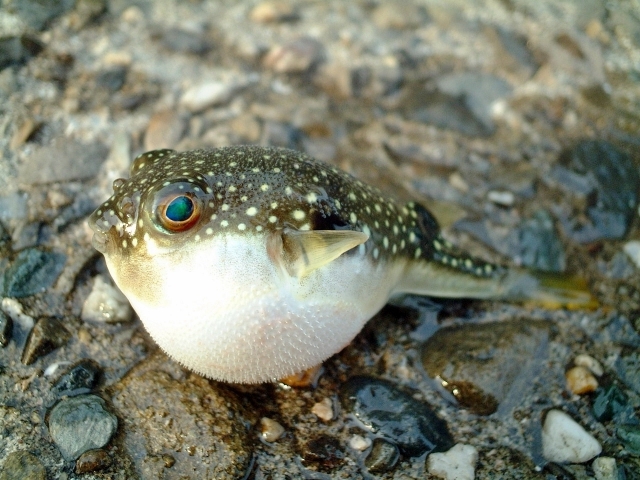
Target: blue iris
(180,209)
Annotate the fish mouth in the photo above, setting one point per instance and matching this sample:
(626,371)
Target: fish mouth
(99,240)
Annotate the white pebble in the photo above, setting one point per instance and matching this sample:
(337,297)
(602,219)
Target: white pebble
(201,97)
(323,410)
(458,463)
(563,440)
(605,468)
(270,430)
(506,199)
(359,443)
(589,362)
(13,308)
(632,249)
(106,303)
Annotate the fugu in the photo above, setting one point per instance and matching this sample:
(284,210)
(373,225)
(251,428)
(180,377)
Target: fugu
(248,264)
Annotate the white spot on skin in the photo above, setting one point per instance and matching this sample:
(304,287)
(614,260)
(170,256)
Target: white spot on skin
(232,188)
(298,215)
(242,226)
(264,187)
(353,217)
(312,198)
(224,207)
(134,241)
(258,228)
(224,223)
(274,204)
(251,211)
(209,231)
(124,243)
(273,219)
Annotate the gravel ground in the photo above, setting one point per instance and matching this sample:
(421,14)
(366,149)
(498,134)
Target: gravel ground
(517,122)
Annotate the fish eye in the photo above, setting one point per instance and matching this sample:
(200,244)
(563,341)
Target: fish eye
(178,207)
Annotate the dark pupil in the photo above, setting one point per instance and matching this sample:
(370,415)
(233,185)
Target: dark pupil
(180,209)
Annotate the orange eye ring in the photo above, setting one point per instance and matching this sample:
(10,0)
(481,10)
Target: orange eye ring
(178,211)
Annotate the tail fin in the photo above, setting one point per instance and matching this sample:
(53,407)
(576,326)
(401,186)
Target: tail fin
(548,289)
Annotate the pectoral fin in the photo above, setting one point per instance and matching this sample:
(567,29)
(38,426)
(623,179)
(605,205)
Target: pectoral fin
(305,251)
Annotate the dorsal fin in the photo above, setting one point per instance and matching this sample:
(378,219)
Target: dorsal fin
(145,160)
(305,251)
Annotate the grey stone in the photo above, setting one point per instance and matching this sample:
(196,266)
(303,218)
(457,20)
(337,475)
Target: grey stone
(22,465)
(47,335)
(32,271)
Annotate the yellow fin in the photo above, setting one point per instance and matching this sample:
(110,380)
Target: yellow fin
(308,250)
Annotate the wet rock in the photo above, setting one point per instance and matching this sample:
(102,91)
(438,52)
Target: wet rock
(32,271)
(62,161)
(297,56)
(359,443)
(86,11)
(79,424)
(399,15)
(183,41)
(610,402)
(382,457)
(81,378)
(395,415)
(270,430)
(165,130)
(5,243)
(22,465)
(106,303)
(459,463)
(13,206)
(24,132)
(324,452)
(6,326)
(628,369)
(484,365)
(37,13)
(580,380)
(605,468)
(564,440)
(18,50)
(587,361)
(47,335)
(281,135)
(206,95)
(323,410)
(167,411)
(632,249)
(607,181)
(630,437)
(273,12)
(112,79)
(92,461)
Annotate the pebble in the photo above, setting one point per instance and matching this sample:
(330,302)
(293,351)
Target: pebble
(610,402)
(184,41)
(383,456)
(79,424)
(565,441)
(22,465)
(632,249)
(18,50)
(47,335)
(297,56)
(502,198)
(399,15)
(587,361)
(324,452)
(13,206)
(80,378)
(32,271)
(580,380)
(323,409)
(165,130)
(205,95)
(5,243)
(630,436)
(106,303)
(273,12)
(6,327)
(458,463)
(605,468)
(395,415)
(38,14)
(270,430)
(92,461)
(112,79)
(359,443)
(537,245)
(24,132)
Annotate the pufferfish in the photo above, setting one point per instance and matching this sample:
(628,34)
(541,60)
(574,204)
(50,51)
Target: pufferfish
(248,264)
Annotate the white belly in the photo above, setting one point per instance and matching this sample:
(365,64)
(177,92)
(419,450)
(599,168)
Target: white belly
(223,308)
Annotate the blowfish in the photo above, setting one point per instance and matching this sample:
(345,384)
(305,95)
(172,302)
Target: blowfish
(248,264)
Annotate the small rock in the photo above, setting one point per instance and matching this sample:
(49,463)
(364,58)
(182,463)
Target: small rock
(22,465)
(323,410)
(605,468)
(359,443)
(587,361)
(5,244)
(184,41)
(206,95)
(399,15)
(92,461)
(79,424)
(324,453)
(14,206)
(632,249)
(580,381)
(395,415)
(630,436)
(36,13)
(32,271)
(165,130)
(24,132)
(335,79)
(6,326)
(458,463)
(270,430)
(565,441)
(610,402)
(382,457)
(18,50)
(297,56)
(106,303)
(502,198)
(47,335)
(112,79)
(81,378)
(271,12)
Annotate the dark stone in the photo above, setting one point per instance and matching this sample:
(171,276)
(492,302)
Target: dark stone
(5,241)
(382,457)
(183,41)
(627,367)
(47,335)
(32,271)
(79,424)
(324,452)
(607,180)
(609,402)
(537,244)
(92,461)
(22,465)
(395,415)
(38,13)
(18,50)
(112,79)
(630,436)
(281,135)
(6,326)
(81,378)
